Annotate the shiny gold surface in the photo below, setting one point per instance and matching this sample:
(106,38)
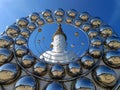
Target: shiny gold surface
(77,23)
(21,41)
(46,14)
(31,27)
(34,16)
(39,70)
(75,70)
(59,19)
(20,52)
(6,75)
(22,23)
(114,44)
(72,14)
(40,22)
(49,19)
(84,17)
(96,23)
(106,32)
(12,32)
(3,57)
(27,63)
(57,73)
(59,13)
(69,20)
(114,60)
(88,63)
(86,27)
(25,33)
(97,43)
(96,53)
(92,35)
(3,43)
(24,88)
(106,78)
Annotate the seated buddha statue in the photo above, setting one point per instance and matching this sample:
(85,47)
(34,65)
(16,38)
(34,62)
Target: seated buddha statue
(58,54)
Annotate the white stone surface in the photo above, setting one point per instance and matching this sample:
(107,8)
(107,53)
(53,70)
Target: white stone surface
(59,54)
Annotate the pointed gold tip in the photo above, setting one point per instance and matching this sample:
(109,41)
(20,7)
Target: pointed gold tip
(60,31)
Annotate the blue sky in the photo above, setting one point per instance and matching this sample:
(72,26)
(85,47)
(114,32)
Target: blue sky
(107,10)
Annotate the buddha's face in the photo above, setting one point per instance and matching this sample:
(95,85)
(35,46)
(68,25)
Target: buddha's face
(59,43)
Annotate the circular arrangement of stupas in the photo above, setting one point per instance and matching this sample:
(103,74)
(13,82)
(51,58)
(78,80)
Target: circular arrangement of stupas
(97,69)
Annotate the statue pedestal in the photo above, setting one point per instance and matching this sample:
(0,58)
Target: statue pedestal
(62,57)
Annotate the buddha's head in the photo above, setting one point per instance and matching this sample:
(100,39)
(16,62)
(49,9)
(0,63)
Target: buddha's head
(59,40)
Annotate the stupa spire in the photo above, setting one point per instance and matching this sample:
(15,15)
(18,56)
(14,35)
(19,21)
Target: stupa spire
(60,31)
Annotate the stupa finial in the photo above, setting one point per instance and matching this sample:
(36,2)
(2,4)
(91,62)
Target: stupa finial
(60,31)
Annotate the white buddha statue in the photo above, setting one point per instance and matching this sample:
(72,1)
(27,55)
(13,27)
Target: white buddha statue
(58,53)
